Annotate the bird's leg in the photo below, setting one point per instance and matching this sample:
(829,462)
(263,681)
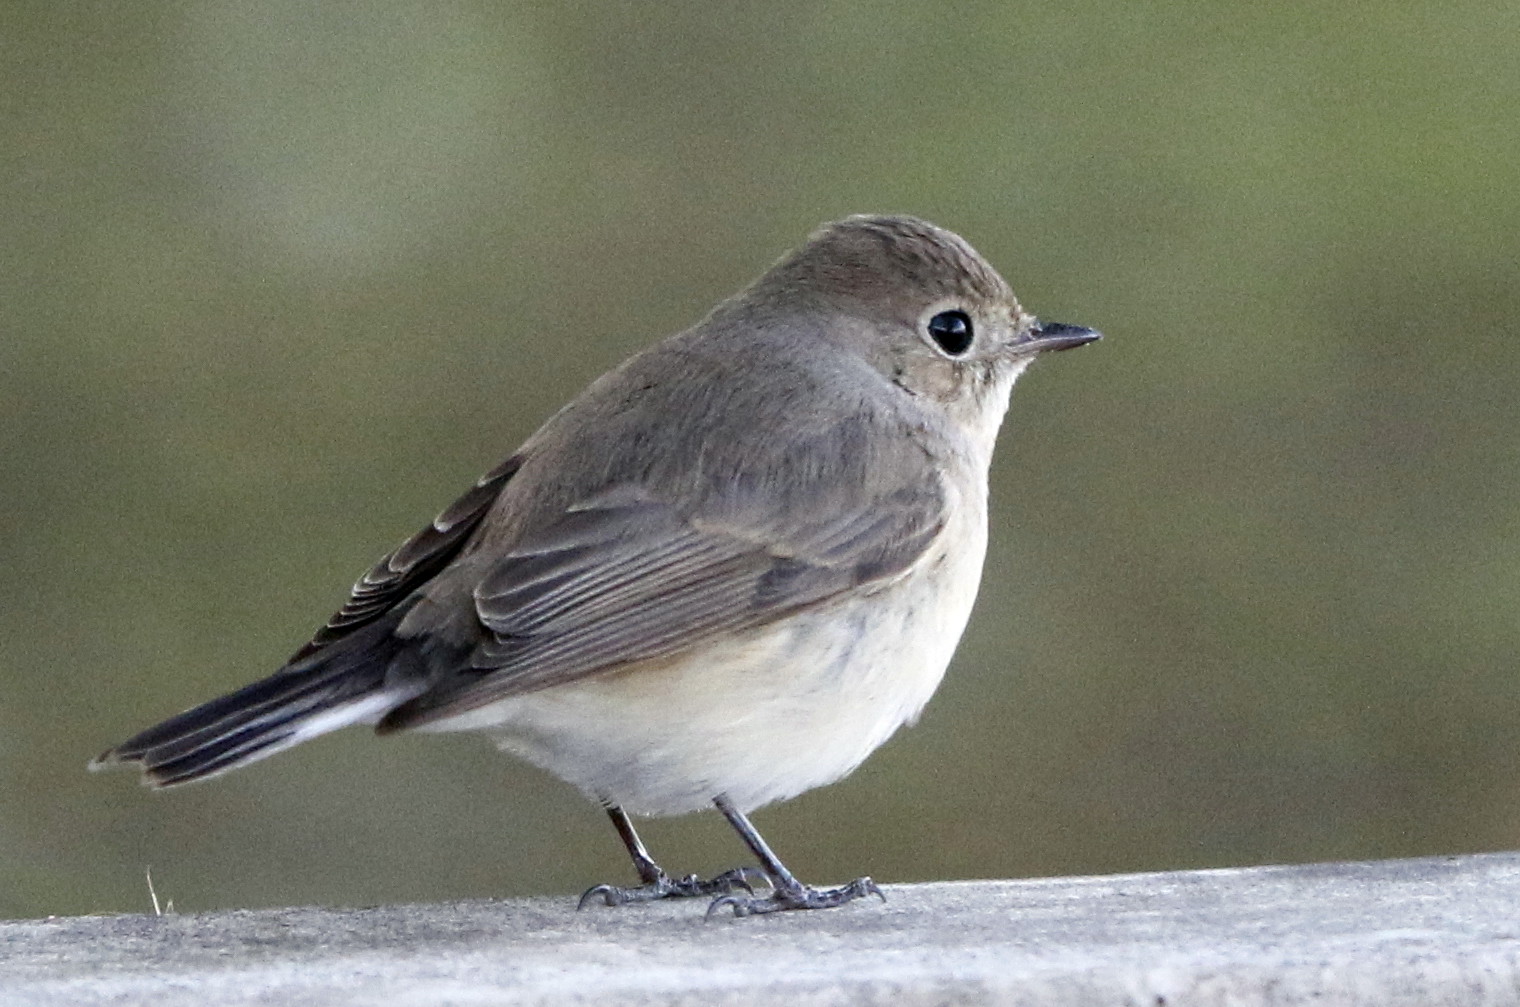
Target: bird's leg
(656,884)
(786,891)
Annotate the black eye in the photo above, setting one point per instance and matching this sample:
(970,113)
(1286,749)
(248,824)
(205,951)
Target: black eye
(952,332)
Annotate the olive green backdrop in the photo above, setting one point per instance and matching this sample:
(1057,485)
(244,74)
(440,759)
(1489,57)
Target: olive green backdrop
(278,280)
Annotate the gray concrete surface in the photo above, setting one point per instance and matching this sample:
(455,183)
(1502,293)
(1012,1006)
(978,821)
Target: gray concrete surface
(1415,932)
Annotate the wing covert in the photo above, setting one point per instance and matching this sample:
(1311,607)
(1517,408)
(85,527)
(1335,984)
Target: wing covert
(625,577)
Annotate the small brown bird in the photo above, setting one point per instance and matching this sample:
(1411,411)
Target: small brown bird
(726,572)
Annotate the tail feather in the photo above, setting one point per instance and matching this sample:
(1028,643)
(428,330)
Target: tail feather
(257,741)
(258,720)
(229,751)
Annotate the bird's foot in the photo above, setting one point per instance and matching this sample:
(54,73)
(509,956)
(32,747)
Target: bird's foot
(666,887)
(800,897)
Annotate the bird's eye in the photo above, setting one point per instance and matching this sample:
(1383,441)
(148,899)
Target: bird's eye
(952,332)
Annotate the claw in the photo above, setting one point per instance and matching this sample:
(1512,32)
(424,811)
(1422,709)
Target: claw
(802,897)
(609,894)
(666,887)
(735,879)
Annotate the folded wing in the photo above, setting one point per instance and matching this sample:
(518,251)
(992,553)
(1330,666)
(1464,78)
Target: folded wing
(624,577)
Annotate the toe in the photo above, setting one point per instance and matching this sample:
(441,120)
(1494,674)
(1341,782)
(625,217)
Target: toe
(609,895)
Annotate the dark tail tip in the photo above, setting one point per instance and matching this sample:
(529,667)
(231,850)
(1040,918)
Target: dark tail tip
(253,723)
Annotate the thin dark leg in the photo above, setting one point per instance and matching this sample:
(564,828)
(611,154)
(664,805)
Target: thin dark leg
(649,871)
(786,891)
(656,884)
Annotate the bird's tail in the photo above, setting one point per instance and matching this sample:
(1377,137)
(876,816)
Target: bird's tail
(295,704)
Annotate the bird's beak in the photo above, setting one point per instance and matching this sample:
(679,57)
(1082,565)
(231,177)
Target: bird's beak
(1054,336)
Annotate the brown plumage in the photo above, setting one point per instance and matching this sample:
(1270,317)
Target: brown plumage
(727,571)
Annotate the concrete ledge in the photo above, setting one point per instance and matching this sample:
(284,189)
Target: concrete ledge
(1417,932)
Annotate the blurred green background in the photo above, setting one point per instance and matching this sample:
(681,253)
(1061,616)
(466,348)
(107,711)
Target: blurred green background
(277,281)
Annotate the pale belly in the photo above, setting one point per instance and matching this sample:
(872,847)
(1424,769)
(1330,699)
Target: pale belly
(760,717)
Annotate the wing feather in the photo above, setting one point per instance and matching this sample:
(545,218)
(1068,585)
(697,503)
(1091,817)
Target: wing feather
(413,563)
(628,578)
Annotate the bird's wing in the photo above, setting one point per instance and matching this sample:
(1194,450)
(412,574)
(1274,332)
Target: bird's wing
(626,577)
(413,563)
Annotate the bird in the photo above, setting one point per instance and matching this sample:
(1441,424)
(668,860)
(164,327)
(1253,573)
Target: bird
(724,574)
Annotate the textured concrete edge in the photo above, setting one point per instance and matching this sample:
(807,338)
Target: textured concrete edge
(1428,931)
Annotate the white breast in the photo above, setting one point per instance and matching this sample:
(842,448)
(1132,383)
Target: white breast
(764,715)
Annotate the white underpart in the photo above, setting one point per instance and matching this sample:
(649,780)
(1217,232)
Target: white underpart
(367,710)
(765,715)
